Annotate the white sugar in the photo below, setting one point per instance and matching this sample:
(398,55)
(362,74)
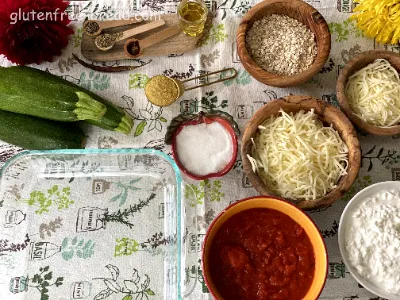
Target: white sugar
(204,148)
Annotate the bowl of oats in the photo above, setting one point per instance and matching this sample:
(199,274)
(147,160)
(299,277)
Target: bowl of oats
(283,43)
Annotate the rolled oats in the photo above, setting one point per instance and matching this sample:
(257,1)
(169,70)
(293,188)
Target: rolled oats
(281,45)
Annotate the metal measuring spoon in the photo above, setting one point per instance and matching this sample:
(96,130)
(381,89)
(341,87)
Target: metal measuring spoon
(107,41)
(94,28)
(134,47)
(163,91)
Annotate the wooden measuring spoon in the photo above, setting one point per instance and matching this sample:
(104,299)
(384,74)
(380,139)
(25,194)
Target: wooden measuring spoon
(106,41)
(108,24)
(134,47)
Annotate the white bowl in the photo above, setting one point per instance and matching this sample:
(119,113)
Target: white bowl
(349,209)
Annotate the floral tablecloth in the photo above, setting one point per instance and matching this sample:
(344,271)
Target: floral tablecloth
(240,97)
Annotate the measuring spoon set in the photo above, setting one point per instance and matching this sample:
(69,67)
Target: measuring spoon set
(133,47)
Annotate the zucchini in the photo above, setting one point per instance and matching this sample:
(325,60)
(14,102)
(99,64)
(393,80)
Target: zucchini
(39,134)
(33,92)
(114,119)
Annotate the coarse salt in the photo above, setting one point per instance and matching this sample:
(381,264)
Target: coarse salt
(204,148)
(373,240)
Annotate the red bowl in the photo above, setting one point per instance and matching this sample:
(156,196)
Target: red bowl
(317,241)
(204,119)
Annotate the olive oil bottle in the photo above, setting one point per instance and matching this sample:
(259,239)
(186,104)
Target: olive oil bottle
(192,16)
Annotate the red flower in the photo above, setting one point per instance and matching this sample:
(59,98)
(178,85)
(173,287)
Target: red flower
(33,31)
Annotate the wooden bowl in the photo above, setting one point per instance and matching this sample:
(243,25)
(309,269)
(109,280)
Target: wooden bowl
(295,9)
(328,114)
(353,66)
(321,256)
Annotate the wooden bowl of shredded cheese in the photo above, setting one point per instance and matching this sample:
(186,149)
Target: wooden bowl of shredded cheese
(368,90)
(301,149)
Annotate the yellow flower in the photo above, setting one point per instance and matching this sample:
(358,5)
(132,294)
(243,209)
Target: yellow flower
(379,19)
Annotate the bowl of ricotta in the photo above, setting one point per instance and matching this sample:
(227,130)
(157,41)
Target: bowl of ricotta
(369,238)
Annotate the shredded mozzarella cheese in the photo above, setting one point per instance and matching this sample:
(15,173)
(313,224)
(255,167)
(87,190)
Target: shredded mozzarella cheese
(297,157)
(373,94)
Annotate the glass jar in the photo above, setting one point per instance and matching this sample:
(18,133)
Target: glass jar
(192,16)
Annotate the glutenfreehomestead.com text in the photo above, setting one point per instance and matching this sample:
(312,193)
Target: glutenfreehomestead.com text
(57,16)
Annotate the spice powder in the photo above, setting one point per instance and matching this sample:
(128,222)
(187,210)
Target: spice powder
(161,90)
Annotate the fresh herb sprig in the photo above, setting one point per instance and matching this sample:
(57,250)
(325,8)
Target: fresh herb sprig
(42,282)
(5,246)
(158,239)
(121,216)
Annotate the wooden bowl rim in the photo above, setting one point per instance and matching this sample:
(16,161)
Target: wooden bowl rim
(320,107)
(346,72)
(287,80)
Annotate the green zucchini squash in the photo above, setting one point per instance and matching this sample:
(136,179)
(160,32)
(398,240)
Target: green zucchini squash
(33,92)
(114,118)
(39,134)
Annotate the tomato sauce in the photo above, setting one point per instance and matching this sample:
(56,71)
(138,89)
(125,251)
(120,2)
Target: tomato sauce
(262,254)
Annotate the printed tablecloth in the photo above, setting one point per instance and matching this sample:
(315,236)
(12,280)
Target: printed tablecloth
(240,97)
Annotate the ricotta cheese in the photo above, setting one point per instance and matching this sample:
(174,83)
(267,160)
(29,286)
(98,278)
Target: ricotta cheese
(373,240)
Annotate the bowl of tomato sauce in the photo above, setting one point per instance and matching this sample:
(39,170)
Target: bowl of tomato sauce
(264,248)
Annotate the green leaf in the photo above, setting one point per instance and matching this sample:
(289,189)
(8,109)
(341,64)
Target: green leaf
(135,180)
(45,269)
(68,255)
(88,244)
(162,119)
(74,240)
(48,276)
(123,197)
(59,281)
(149,292)
(96,85)
(115,198)
(46,283)
(140,128)
(127,297)
(81,243)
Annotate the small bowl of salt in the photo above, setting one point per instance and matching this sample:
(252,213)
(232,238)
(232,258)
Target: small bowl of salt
(203,145)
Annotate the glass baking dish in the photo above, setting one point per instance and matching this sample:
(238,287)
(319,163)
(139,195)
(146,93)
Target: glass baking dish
(95,224)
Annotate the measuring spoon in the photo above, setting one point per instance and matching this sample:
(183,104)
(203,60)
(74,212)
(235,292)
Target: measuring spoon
(172,88)
(134,47)
(111,39)
(108,24)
